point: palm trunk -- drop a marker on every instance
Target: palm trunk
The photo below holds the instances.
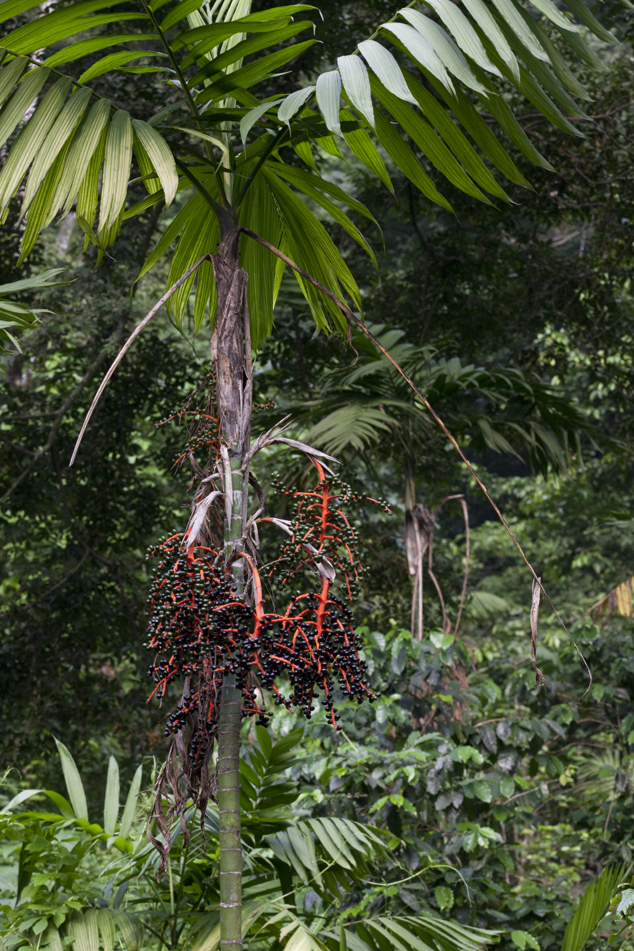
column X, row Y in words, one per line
column 229, row 808
column 231, row 358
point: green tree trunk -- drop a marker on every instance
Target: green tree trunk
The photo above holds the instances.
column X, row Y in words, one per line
column 231, row 358
column 229, row 807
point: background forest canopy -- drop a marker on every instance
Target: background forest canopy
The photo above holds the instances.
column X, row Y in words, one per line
column 497, row 801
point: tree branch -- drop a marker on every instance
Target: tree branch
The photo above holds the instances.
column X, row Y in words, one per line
column 135, row 333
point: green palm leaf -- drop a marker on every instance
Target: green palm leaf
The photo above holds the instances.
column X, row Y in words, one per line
column 17, row 316
column 592, row 908
column 371, row 103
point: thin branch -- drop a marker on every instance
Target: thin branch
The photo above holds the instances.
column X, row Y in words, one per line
column 358, row 323
column 135, row 333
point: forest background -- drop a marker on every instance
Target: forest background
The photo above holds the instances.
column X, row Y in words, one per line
column 526, row 791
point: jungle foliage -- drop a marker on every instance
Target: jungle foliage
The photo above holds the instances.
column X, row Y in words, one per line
column 465, row 793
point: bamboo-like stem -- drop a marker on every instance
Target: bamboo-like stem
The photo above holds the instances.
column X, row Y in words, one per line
column 233, row 391
column 229, row 809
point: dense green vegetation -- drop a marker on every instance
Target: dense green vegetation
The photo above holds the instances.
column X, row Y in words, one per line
column 494, row 801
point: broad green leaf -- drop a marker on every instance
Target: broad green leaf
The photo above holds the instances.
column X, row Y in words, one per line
column 40, row 208
column 111, row 801
column 131, row 930
column 113, row 61
column 464, row 33
column 61, row 24
column 510, row 15
column 301, row 179
column 406, row 161
column 328, row 93
column 207, row 38
column 554, row 14
column 107, row 930
column 304, row 151
column 427, row 140
column 248, row 121
column 421, row 50
column 308, row 243
column 85, row 47
column 52, row 940
column 386, row 68
column 480, row 133
column 9, row 76
column 582, row 12
column 201, row 236
column 181, row 10
column 482, row 790
column 13, row 8
column 293, row 103
column 504, row 116
column 356, row 84
column 289, row 10
column 25, row 793
column 116, row 168
column 130, row 804
column 444, row 897
column 559, row 65
column 22, row 98
column 73, row 781
column 583, row 51
column 337, row 838
column 261, row 215
column 160, row 156
column 484, row 18
column 252, row 73
column 169, row 235
column 65, row 125
column 84, row 929
column 88, row 194
column 250, row 774
column 450, row 132
column 591, row 908
column 62, row 803
column 86, row 140
column 30, row 141
column 362, row 146
column 328, row 144
column 535, row 94
column 247, row 48
column 539, row 71
column 445, row 48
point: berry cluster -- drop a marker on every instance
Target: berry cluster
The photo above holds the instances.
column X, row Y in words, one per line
column 313, row 642
column 200, row 630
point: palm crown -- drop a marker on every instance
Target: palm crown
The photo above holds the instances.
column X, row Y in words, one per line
column 251, row 162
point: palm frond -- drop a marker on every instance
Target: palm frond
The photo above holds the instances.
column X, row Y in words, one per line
column 16, row 316
column 425, row 932
column 230, row 148
column 592, row 908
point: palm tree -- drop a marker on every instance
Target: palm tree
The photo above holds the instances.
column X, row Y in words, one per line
column 248, row 167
